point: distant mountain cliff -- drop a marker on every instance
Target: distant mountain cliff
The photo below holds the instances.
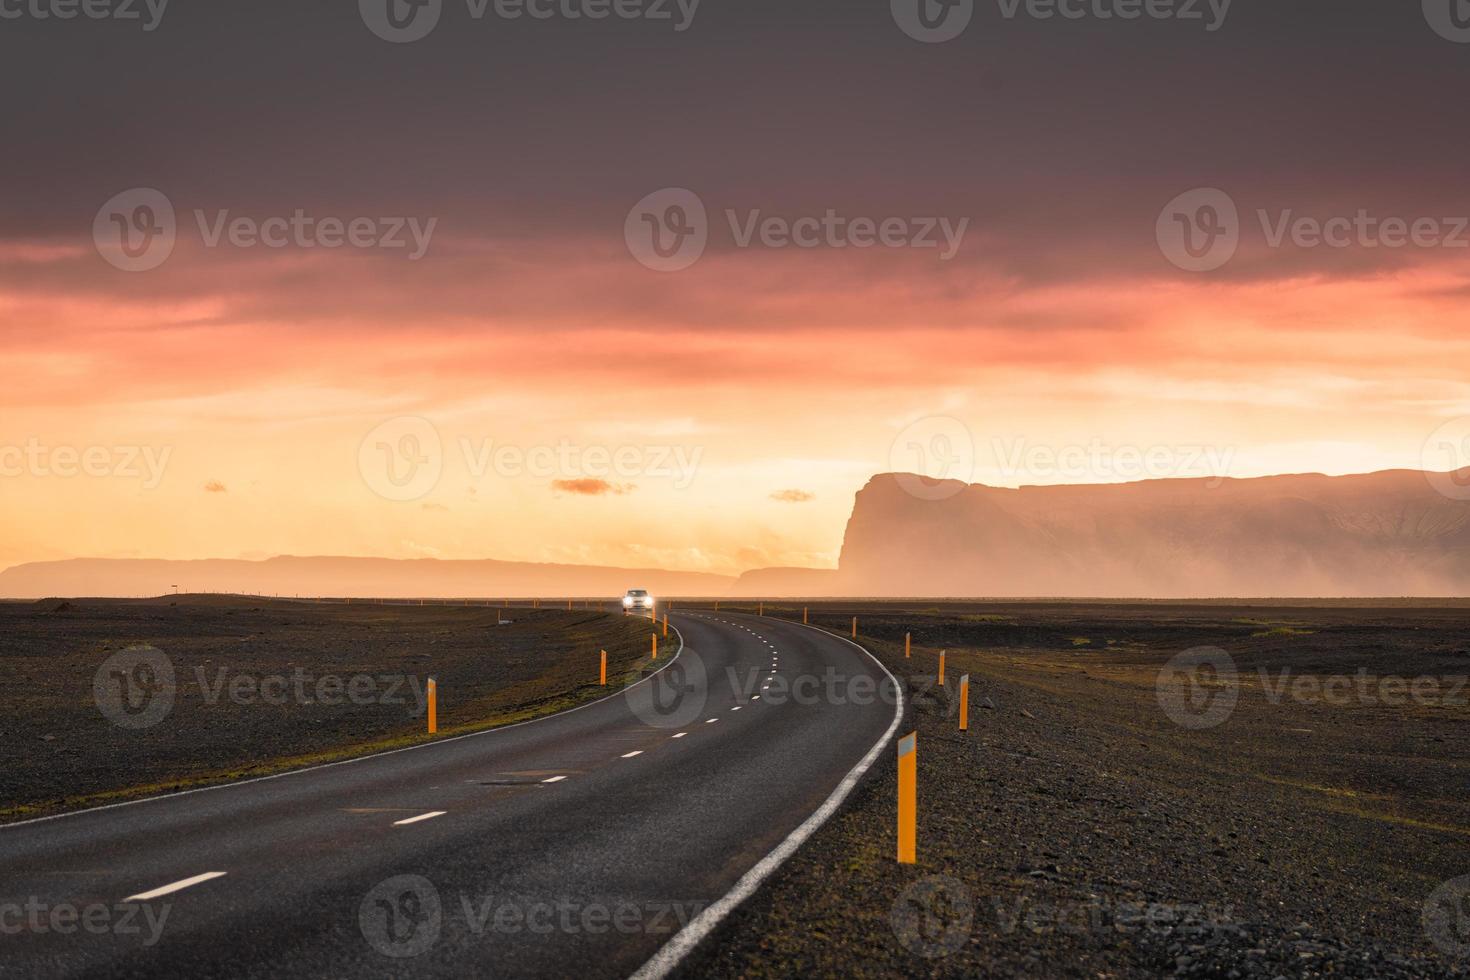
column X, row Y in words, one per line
column 383, row 577
column 1379, row 534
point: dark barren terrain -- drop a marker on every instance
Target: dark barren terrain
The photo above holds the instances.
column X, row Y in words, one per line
column 264, row 685
column 1076, row 830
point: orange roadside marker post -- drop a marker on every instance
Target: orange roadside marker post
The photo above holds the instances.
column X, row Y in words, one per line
column 717, row 605
column 760, row 608
column 803, row 614
column 854, row 627
column 906, row 638
column 569, row 605
column 433, row 706
column 908, row 793
column 603, row 681
column 965, row 702
column 941, row 668
column 666, row 624
column 655, row 646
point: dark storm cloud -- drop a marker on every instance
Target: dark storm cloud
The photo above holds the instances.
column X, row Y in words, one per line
column 1061, row 139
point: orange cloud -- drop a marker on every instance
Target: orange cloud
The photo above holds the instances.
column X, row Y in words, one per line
column 793, row 496
column 588, row 487
column 214, row 486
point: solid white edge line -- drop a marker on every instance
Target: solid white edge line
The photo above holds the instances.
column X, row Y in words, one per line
column 422, row 816
column 668, row 957
column 629, row 755
column 177, row 886
column 356, row 758
column 554, row 779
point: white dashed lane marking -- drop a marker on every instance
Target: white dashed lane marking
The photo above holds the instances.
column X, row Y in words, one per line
column 422, row 816
column 177, row 886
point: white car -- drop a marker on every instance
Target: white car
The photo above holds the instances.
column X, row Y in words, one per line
column 637, row 599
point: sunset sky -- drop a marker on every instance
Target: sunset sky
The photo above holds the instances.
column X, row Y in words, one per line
column 750, row 395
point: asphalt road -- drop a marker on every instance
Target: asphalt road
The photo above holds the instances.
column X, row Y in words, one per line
column 575, row 845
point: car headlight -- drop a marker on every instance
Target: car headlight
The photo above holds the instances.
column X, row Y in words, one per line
column 650, row 600
column 627, row 600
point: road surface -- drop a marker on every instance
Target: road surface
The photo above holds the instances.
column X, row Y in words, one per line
column 577, row 845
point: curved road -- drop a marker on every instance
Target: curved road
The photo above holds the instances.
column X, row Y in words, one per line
column 575, row 845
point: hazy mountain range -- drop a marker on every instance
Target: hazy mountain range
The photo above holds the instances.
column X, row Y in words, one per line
column 1394, row 533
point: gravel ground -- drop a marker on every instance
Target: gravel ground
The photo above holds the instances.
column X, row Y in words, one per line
column 1078, row 831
